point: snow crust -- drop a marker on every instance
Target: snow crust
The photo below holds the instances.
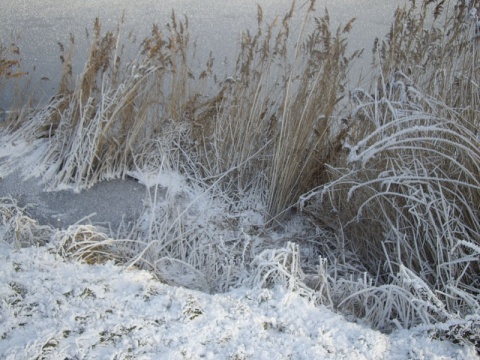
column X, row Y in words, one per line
column 55, row 309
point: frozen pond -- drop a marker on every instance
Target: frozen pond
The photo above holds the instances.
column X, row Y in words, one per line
column 216, row 24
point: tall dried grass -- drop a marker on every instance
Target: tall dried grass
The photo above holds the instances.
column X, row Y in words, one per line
column 98, row 124
column 405, row 196
column 10, row 72
column 282, row 97
column 271, row 118
column 279, row 110
column 10, row 66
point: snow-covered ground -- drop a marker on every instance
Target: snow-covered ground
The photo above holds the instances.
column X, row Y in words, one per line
column 57, row 309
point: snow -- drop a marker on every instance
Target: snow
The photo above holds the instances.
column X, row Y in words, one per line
column 171, row 180
column 56, row 309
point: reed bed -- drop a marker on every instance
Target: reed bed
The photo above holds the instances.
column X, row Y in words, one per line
column 383, row 180
column 404, row 196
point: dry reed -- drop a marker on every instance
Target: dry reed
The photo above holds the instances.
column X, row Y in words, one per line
column 10, row 73
column 405, row 196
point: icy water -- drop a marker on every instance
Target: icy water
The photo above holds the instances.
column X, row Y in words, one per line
column 38, row 27
column 216, row 24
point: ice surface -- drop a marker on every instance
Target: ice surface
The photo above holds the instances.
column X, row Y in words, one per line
column 108, row 202
column 216, row 25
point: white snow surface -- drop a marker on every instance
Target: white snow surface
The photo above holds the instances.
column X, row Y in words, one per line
column 57, row 309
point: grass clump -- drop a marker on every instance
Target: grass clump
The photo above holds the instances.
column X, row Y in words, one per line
column 405, row 196
column 283, row 98
column 18, row 229
column 98, row 124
